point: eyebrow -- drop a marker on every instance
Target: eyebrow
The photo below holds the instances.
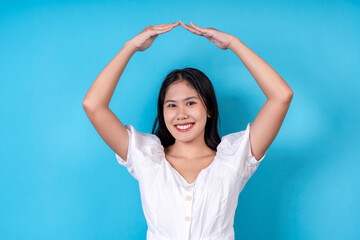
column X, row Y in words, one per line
column 183, row 100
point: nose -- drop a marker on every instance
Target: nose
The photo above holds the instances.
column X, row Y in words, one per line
column 181, row 113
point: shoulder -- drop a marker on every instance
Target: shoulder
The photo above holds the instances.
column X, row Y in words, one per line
column 142, row 139
column 232, row 142
column 236, row 148
column 144, row 152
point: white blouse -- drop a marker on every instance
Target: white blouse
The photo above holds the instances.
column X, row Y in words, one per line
column 202, row 210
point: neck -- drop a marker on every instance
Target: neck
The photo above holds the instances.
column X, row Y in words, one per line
column 189, row 150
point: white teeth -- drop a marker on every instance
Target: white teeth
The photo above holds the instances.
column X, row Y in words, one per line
column 184, row 126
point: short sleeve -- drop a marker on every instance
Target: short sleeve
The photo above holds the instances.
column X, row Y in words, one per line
column 236, row 151
column 144, row 152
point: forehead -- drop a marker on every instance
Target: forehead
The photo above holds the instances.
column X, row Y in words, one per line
column 180, row 90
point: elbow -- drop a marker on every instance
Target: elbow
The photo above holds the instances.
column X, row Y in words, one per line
column 91, row 107
column 87, row 106
column 288, row 96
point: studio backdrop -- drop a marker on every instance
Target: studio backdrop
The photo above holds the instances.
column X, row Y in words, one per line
column 59, row 179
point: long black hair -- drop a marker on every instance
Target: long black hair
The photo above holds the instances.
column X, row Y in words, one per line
column 202, row 84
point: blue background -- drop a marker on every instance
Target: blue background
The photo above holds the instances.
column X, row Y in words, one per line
column 58, row 178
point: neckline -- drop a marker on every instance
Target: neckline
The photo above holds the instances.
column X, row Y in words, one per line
column 197, row 177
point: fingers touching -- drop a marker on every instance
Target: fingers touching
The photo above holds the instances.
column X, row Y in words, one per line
column 194, row 29
column 162, row 28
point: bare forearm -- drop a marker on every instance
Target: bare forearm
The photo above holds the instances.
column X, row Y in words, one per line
column 270, row 82
column 102, row 89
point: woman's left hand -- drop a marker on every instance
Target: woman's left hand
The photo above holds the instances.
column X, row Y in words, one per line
column 221, row 39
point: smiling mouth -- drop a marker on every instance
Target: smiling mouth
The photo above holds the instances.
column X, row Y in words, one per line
column 184, row 128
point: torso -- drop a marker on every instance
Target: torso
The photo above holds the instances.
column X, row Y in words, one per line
column 190, row 169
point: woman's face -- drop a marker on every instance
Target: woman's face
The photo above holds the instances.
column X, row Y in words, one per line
column 184, row 112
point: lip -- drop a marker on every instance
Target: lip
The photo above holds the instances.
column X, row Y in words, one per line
column 185, row 130
column 185, row 123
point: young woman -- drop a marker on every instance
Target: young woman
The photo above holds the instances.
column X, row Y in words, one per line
column 189, row 178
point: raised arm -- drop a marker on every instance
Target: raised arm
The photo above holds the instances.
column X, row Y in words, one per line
column 102, row 89
column 97, row 99
column 268, row 121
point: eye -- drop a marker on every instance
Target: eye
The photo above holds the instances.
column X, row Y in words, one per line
column 170, row 105
column 192, row 103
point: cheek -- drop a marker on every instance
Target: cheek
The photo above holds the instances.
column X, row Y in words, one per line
column 168, row 115
column 201, row 113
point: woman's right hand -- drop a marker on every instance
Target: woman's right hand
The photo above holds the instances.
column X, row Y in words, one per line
column 147, row 36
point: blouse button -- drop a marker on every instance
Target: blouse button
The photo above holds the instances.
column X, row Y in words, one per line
column 187, row 218
column 188, row 197
column 190, row 186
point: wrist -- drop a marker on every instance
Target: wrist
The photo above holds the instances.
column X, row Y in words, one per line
column 234, row 41
column 131, row 46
